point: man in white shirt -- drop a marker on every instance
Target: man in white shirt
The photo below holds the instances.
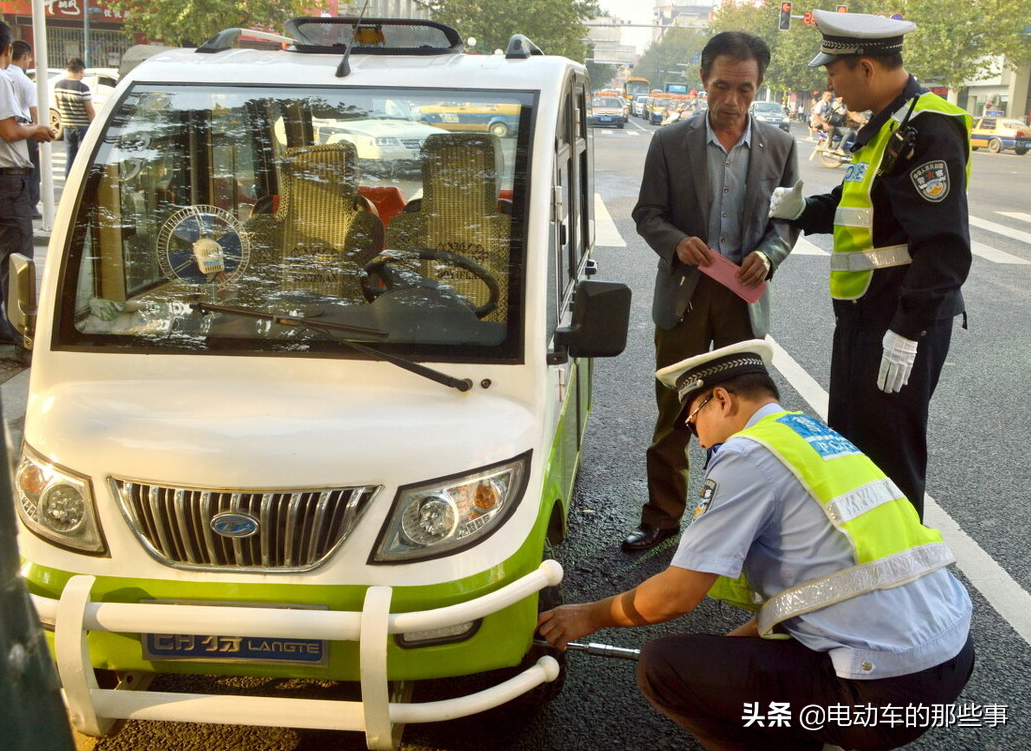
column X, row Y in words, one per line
column 15, row 172
column 25, row 89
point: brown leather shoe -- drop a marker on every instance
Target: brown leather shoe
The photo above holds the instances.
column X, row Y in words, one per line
column 646, row 536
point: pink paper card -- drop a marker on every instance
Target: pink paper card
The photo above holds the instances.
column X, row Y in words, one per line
column 724, row 271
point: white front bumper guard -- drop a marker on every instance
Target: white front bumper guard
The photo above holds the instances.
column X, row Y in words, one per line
column 94, row 710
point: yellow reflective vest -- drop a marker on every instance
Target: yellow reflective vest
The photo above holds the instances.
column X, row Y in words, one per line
column 855, row 257
column 890, row 546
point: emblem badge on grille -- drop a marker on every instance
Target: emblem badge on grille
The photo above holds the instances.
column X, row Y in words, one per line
column 234, row 524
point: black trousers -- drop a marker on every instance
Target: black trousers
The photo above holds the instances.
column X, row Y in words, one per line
column 716, row 318
column 712, row 685
column 889, row 428
column 15, row 237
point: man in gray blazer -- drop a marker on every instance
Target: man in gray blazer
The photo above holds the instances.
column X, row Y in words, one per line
column 706, row 189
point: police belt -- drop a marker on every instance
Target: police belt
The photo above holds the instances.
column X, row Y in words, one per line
column 883, row 573
column 23, row 171
column 869, row 260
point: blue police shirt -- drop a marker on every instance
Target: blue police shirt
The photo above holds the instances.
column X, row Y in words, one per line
column 759, row 519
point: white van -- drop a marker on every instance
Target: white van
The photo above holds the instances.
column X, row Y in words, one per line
column 310, row 377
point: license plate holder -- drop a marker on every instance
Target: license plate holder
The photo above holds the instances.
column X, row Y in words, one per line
column 235, row 649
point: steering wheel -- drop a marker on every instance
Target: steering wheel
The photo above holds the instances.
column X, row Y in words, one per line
column 376, row 266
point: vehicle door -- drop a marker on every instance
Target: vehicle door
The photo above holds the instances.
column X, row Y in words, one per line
column 571, row 240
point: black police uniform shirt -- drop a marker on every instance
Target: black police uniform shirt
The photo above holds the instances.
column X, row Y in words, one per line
column 910, row 298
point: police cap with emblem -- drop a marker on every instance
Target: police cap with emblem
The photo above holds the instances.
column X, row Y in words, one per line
column 696, row 374
column 847, row 34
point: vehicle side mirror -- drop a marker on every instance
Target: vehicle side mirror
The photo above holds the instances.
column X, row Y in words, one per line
column 601, row 318
column 21, row 296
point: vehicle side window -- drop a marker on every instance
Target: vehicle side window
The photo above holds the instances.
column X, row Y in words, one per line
column 988, row 123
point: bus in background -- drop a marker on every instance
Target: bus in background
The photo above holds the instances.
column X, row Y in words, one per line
column 635, row 87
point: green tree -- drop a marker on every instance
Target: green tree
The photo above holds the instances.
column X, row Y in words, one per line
column 957, row 42
column 954, row 41
column 189, row 22
column 675, row 59
column 790, row 50
column 556, row 26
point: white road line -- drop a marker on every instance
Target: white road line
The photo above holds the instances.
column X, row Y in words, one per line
column 996, row 256
column 605, row 232
column 1001, row 229
column 1003, row 593
column 804, row 247
column 1016, row 215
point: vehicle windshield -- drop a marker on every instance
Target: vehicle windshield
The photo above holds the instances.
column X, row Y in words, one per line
column 358, row 207
column 634, row 88
column 607, row 102
column 659, row 101
column 768, row 108
column 1014, row 125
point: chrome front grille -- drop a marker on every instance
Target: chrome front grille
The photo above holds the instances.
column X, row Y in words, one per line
column 296, row 530
column 412, row 143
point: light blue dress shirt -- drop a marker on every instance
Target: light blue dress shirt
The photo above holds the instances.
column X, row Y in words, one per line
column 728, row 172
column 761, row 520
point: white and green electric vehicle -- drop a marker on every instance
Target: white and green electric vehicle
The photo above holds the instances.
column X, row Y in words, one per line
column 310, row 376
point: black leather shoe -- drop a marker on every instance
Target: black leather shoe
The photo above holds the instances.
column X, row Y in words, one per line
column 646, row 536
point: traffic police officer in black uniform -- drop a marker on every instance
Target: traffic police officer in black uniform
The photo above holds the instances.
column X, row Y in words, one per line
column 901, row 244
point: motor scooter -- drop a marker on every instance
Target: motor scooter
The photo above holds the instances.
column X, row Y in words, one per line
column 831, row 151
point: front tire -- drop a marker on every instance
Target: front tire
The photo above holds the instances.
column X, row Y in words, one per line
column 828, row 159
column 498, row 129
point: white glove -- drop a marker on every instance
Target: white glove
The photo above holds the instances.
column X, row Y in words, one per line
column 787, row 203
column 896, row 362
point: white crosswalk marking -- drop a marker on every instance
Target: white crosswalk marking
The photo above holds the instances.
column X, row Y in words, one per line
column 1015, row 215
column 804, row 247
column 605, row 232
column 1001, row 229
column 996, row 256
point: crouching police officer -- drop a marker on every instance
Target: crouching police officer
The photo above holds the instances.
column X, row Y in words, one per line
column 901, row 244
column 855, row 605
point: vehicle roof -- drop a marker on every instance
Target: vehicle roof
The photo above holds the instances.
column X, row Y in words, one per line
column 290, row 68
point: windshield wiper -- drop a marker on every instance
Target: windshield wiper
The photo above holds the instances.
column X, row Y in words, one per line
column 327, row 328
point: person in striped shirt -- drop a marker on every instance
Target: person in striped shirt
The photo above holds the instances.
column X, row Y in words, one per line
column 74, row 102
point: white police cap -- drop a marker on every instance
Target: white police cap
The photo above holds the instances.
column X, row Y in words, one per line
column 695, row 374
column 857, row 34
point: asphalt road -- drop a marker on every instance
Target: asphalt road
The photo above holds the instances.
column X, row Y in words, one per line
column 978, row 476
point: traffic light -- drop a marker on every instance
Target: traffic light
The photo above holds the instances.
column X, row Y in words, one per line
column 784, row 23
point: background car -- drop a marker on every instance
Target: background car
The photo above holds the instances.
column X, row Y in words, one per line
column 657, row 109
column 607, row 111
column 626, row 109
column 998, row 133
column 101, row 82
column 772, row 113
column 497, row 119
column 640, row 106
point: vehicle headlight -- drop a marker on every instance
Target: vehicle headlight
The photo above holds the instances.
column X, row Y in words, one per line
column 387, row 141
column 450, row 514
column 57, row 504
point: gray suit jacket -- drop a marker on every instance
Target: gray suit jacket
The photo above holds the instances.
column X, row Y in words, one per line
column 674, row 203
